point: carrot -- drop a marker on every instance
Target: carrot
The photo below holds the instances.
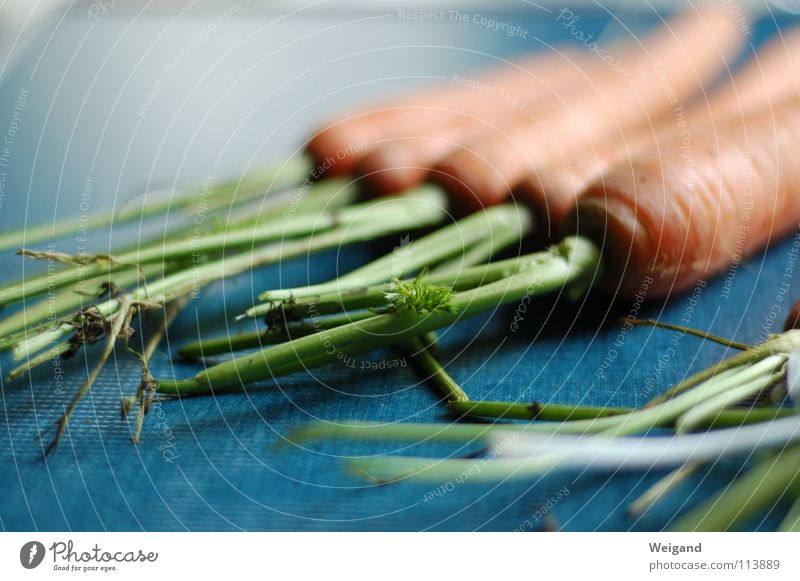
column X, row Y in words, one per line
column 551, row 193
column 404, row 160
column 769, row 78
column 667, row 69
column 668, row 219
column 340, row 145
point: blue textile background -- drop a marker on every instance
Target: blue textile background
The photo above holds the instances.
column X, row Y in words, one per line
column 223, row 463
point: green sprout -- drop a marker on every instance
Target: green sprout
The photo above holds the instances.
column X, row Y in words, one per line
column 419, row 296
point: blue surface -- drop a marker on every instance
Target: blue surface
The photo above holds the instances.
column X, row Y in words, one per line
column 215, row 463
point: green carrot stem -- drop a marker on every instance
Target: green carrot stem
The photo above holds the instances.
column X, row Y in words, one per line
column 275, row 177
column 253, row 340
column 418, row 348
column 661, row 488
column 559, row 414
column 321, row 199
column 755, row 491
column 670, row 410
column 311, row 198
column 373, row 431
column 783, row 343
column 236, row 236
column 9, row 341
column 145, row 389
column 195, row 248
column 198, row 247
column 483, row 250
column 418, row 209
column 40, row 359
column 574, row 260
column 255, row 185
column 27, row 289
column 688, row 331
column 435, row 373
column 444, row 243
column 741, row 416
column 34, row 343
column 554, row 412
column 493, row 469
column 663, row 415
column 532, row 411
column 703, row 411
column 67, row 300
column 374, row 296
column 230, row 239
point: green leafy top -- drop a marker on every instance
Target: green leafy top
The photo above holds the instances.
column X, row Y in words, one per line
column 419, row 296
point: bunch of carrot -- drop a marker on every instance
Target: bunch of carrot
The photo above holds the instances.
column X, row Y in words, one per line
column 642, row 172
column 654, row 215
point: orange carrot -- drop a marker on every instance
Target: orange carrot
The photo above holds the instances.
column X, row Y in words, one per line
column 767, row 79
column 667, row 220
column 667, row 69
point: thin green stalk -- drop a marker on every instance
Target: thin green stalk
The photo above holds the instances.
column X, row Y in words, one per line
column 374, row 296
column 411, row 211
column 250, row 234
column 10, row 341
column 532, row 411
column 670, row 410
column 34, row 343
column 703, row 411
column 254, row 340
column 32, row 287
column 312, row 198
column 661, row 488
column 757, row 490
column 197, row 247
column 422, row 350
column 612, row 425
column 483, row 250
column 537, row 411
column 146, row 390
column 434, row 372
column 274, row 177
column 40, row 359
column 318, row 198
column 574, row 261
column 229, row 239
column 67, row 300
column 664, row 414
column 742, row 416
column 557, row 414
column 536, row 454
column 756, row 353
column 688, row 331
column 444, row 243
column 371, row 431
